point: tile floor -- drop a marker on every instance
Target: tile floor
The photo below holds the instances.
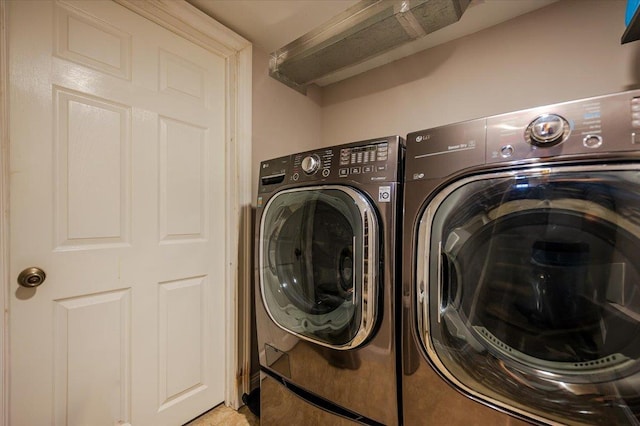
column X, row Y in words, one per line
column 225, row 416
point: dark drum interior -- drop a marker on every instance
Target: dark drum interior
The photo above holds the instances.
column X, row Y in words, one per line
column 315, row 250
column 312, row 280
column 545, row 294
column 536, row 278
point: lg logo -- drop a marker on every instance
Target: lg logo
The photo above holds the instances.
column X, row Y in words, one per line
column 421, row 138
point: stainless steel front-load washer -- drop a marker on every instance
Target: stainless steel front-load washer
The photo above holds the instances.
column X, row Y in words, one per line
column 521, row 293
column 326, row 284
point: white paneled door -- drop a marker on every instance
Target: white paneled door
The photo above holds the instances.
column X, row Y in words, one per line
column 117, row 174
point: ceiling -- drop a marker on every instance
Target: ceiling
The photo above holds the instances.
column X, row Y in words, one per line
column 272, row 24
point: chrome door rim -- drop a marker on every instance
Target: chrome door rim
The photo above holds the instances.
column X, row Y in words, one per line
column 368, row 298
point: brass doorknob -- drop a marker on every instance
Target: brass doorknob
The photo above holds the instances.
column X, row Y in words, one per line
column 31, row 277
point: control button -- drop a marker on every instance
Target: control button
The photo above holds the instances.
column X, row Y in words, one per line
column 506, row 151
column 382, row 168
column 325, row 172
column 367, row 169
column 355, row 170
column 635, row 115
column 343, row 172
column 635, row 106
column 295, row 176
column 310, row 164
column 636, row 124
column 547, row 130
column 592, row 141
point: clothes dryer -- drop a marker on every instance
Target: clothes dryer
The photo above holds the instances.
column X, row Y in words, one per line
column 326, row 278
column 522, row 267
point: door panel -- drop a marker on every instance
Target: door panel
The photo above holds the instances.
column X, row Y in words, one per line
column 92, row 347
column 92, row 169
column 117, row 161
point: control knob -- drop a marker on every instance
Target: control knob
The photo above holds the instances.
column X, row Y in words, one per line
column 310, row 164
column 547, row 130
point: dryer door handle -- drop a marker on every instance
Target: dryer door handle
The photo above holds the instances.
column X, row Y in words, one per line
column 447, row 280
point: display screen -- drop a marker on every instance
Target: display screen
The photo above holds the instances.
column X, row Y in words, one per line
column 364, row 154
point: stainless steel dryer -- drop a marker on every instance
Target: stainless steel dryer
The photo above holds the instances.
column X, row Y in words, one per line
column 521, row 280
column 326, row 284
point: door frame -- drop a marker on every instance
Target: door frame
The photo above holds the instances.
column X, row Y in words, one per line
column 4, row 216
column 185, row 20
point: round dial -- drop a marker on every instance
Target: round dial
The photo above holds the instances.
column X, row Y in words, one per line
column 547, row 130
column 310, row 164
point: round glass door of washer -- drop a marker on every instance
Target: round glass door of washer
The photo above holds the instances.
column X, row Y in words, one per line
column 318, row 259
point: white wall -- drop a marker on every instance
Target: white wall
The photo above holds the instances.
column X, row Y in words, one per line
column 284, row 121
column 568, row 50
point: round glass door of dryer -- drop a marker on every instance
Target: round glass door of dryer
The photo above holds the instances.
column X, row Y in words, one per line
column 318, row 259
column 534, row 291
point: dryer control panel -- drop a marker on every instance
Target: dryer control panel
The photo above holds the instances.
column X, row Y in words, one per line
column 375, row 160
column 598, row 125
column 591, row 127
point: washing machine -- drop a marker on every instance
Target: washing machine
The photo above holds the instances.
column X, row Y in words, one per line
column 521, row 292
column 327, row 284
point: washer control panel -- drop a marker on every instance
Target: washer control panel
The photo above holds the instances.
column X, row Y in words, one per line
column 310, row 165
column 367, row 161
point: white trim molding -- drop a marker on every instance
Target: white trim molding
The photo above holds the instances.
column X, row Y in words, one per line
column 245, row 247
column 4, row 213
